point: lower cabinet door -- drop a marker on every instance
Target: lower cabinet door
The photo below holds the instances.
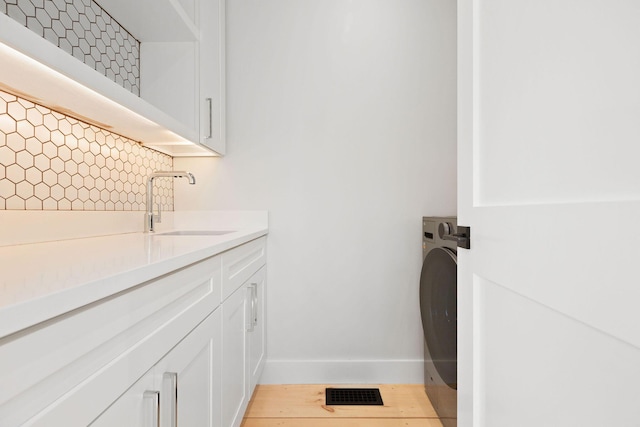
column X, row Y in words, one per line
column 234, row 358
column 188, row 378
column 181, row 390
column 256, row 334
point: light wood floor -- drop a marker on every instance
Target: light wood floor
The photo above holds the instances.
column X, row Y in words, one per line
column 304, row 406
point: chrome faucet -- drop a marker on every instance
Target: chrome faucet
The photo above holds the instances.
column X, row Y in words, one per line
column 149, row 215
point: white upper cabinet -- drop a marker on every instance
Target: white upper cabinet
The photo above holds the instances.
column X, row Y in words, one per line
column 180, row 110
column 212, row 74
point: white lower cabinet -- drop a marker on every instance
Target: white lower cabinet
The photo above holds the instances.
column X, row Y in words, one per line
column 182, row 389
column 256, row 331
column 243, row 344
column 177, row 351
column 234, row 358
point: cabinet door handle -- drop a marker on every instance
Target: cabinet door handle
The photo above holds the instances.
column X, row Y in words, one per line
column 254, row 305
column 251, row 315
column 210, row 105
column 170, row 381
column 151, row 399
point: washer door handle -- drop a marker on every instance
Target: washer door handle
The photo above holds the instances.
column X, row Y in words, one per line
column 462, row 237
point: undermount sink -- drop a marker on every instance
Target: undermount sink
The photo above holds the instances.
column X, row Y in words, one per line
column 195, row 233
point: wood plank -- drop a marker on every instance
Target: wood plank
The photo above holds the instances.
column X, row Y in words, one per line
column 308, row 401
column 341, row 422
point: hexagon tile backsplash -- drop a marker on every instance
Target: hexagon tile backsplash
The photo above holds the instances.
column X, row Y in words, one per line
column 51, row 161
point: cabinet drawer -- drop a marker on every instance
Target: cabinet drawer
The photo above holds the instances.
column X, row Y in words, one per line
column 69, row 369
column 240, row 263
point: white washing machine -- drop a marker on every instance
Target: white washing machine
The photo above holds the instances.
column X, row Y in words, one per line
column 438, row 307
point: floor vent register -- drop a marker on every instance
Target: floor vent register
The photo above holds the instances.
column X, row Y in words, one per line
column 353, row 396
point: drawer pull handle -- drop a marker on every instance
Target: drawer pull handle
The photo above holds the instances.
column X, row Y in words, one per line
column 151, row 399
column 170, row 380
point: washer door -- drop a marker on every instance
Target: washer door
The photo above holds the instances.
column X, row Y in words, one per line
column 439, row 309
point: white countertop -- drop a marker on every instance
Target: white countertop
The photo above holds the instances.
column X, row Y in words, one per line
column 42, row 280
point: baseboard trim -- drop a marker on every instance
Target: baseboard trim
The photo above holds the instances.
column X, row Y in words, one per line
column 343, row 372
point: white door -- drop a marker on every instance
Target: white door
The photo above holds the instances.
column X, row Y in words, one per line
column 549, row 142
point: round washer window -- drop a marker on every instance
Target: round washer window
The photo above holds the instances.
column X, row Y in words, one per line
column 439, row 308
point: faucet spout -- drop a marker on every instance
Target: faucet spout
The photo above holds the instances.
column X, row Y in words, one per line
column 149, row 215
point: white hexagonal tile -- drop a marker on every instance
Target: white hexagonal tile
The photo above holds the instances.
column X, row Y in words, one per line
column 42, row 191
column 50, row 122
column 105, row 173
column 110, row 185
column 64, row 126
column 83, row 145
column 94, row 171
column 77, row 181
column 49, row 204
column 7, row 155
column 64, row 179
column 71, row 193
column 16, row 110
column 57, row 138
column 64, row 153
column 49, row 177
column 24, row 159
column 33, row 175
column 15, row 173
column 16, row 142
column 42, row 133
column 34, row 146
column 57, row 192
column 105, row 195
column 110, row 163
column 7, row 188
column 33, row 204
column 7, row 124
column 71, row 167
column 64, row 205
column 94, row 148
column 15, row 203
column 94, row 194
column 89, row 181
column 77, row 131
column 89, row 158
column 24, row 190
column 77, row 156
column 89, row 205
column 100, row 161
column 83, row 169
column 42, row 162
column 71, row 141
column 100, row 184
column 57, row 165
column 83, row 194
column 34, row 116
column 25, row 129
column 49, row 149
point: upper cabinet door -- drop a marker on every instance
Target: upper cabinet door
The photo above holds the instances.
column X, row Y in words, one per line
column 212, row 74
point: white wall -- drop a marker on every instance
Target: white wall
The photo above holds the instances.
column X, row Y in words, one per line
column 341, row 123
